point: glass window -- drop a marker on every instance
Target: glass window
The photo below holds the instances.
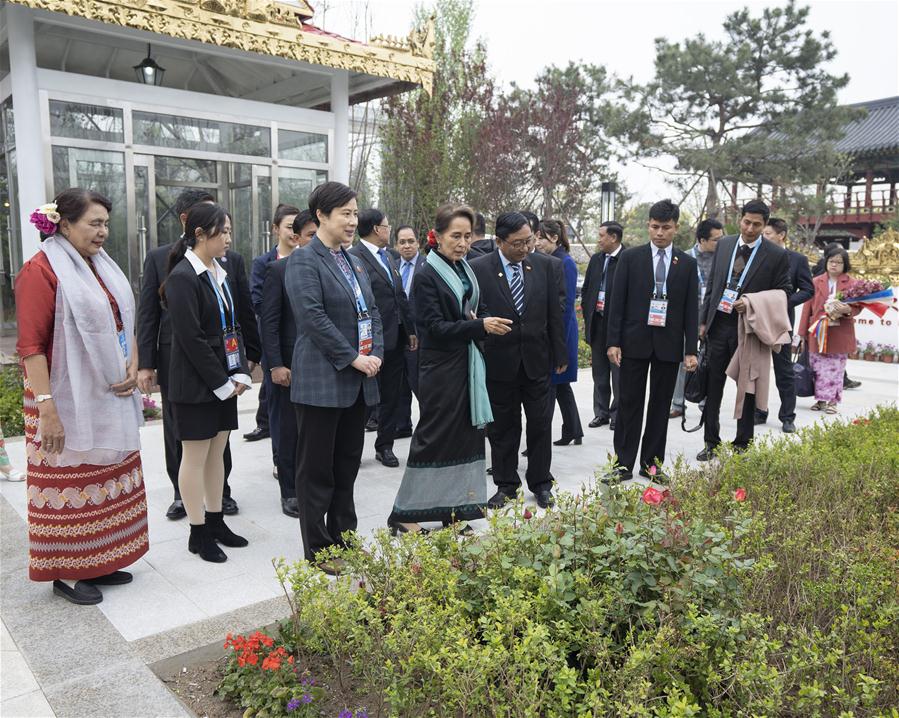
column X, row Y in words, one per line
column 86, row 122
column 302, row 146
column 190, row 133
column 295, row 185
column 179, row 169
column 103, row 172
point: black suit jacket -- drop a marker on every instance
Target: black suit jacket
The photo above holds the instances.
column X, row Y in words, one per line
column 770, row 270
column 595, row 324
column 628, row 310
column 393, row 305
column 197, row 364
column 801, row 280
column 154, row 331
column 439, row 321
column 420, row 261
column 538, row 335
column 276, row 321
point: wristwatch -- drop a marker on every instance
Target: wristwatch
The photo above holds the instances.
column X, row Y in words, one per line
column 42, row 397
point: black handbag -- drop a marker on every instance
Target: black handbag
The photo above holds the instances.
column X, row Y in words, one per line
column 696, row 387
column 803, row 374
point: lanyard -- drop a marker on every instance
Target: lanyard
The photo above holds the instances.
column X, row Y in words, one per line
column 218, row 296
column 730, row 269
column 361, row 306
column 605, row 269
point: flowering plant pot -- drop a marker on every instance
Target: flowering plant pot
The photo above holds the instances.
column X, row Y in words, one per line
column 868, row 356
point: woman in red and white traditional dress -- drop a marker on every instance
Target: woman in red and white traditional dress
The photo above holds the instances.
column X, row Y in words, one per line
column 87, row 509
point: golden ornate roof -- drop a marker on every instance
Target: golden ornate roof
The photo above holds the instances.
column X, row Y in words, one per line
column 878, row 258
column 262, row 26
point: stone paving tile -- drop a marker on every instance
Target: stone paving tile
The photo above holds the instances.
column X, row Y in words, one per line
column 16, row 678
column 30, row 705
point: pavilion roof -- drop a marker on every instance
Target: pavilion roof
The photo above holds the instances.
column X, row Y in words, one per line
column 266, row 27
column 877, row 132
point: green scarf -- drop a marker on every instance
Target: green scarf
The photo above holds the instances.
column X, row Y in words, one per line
column 479, row 401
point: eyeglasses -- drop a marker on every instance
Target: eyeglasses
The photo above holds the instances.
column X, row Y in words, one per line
column 383, row 226
column 521, row 243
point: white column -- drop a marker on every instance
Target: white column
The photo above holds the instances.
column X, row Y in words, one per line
column 340, row 106
column 30, row 148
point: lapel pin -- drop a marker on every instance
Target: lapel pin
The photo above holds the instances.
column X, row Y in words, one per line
column 527, row 267
column 500, row 275
column 674, row 259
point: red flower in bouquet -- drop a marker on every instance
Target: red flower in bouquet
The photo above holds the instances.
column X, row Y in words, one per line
column 432, row 238
column 652, row 496
column 740, row 494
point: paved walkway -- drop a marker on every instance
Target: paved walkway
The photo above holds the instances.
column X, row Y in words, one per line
column 56, row 656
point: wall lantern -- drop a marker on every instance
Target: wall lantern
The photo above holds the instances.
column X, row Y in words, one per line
column 607, row 202
column 149, row 72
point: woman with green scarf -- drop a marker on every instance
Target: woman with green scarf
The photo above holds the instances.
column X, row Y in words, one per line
column 445, row 477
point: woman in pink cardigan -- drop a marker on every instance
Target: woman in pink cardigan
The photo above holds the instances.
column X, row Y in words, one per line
column 829, row 365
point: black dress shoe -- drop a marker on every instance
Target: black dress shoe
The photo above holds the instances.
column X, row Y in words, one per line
column 403, row 434
column 707, row 454
column 176, row 510
column 739, row 448
column 760, row 419
column 257, row 434
column 545, row 499
column 598, row 421
column 388, row 458
column 290, row 507
column 622, row 473
column 789, row 427
column 371, row 425
column 850, row 383
column 81, row 593
column 202, row 542
column 229, row 506
column 490, row 471
column 116, row 578
column 499, row 499
column 612, row 425
column 565, row 442
column 398, row 528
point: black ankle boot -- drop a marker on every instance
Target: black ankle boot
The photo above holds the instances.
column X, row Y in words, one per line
column 202, row 542
column 221, row 533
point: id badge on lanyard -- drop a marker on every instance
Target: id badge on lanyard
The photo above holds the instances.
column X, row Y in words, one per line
column 600, row 301
column 232, row 350
column 230, row 336
column 123, row 343
column 726, row 304
column 732, row 293
column 366, row 339
column 658, row 312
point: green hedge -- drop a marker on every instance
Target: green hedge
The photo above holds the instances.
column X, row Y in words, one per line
column 11, row 388
column 762, row 586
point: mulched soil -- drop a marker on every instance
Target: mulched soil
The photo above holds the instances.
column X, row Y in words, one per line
column 195, row 685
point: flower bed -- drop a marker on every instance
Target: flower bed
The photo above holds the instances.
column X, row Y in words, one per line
column 765, row 586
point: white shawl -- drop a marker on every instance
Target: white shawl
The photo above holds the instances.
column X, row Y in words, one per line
column 100, row 427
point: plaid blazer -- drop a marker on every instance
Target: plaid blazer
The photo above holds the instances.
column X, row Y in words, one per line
column 324, row 307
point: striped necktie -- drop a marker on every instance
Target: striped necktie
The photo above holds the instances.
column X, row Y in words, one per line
column 382, row 253
column 517, row 287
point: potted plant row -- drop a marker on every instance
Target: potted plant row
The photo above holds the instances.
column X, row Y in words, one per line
column 870, row 351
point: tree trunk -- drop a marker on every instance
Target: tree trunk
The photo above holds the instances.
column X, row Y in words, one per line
column 711, row 198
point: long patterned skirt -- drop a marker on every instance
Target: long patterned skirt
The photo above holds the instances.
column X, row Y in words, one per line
column 828, row 370
column 83, row 521
column 445, row 475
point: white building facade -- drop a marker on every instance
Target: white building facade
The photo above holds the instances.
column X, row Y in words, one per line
column 253, row 106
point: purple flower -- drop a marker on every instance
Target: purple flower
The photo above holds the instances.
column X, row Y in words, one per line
column 361, row 713
column 292, row 705
column 345, row 713
column 306, row 698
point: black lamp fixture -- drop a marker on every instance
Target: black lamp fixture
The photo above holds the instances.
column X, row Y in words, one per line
column 607, row 201
column 149, row 72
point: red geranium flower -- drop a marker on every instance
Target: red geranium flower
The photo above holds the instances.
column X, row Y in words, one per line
column 619, row 529
column 652, row 496
column 432, row 238
column 740, row 494
column 527, row 514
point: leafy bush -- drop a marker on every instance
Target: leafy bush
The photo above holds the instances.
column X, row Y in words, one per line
column 763, row 585
column 11, row 389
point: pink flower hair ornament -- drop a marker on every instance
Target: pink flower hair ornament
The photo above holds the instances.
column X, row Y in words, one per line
column 45, row 218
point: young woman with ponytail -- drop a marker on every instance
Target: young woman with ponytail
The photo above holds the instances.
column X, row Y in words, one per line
column 208, row 371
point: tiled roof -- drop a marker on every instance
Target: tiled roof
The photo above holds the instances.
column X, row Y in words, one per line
column 875, row 133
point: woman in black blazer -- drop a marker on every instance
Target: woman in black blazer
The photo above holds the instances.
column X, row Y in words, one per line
column 207, row 372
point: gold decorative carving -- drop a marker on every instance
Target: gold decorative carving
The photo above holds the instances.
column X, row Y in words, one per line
column 260, row 26
column 878, row 258
column 419, row 42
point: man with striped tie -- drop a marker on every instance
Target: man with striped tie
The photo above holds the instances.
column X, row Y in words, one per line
column 519, row 363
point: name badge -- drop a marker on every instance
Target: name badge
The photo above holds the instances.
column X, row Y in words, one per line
column 366, row 340
column 123, row 343
column 232, row 350
column 600, row 302
column 726, row 304
column 658, row 311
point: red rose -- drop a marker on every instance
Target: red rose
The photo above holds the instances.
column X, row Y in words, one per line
column 740, row 494
column 619, row 529
column 652, row 496
column 527, row 514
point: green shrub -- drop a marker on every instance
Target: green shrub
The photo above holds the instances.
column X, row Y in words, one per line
column 764, row 585
column 11, row 389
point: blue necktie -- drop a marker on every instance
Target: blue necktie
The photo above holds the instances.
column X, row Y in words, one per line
column 660, row 274
column 382, row 253
column 517, row 287
column 406, row 276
